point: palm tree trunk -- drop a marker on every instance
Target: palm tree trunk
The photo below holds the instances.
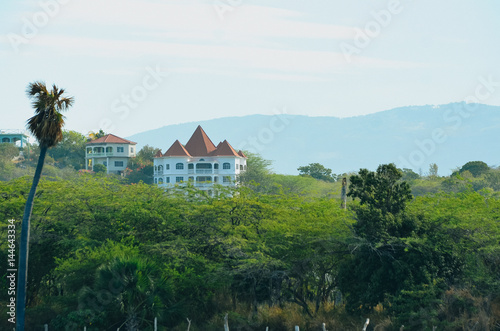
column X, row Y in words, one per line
column 24, row 246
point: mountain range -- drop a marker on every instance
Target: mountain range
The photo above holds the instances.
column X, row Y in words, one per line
column 411, row 137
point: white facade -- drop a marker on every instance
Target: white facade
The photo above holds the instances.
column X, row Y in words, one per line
column 202, row 172
column 113, row 152
column 180, row 165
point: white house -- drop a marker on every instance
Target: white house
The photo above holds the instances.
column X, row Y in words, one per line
column 199, row 162
column 110, row 150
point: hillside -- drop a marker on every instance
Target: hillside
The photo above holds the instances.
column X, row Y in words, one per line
column 412, row 137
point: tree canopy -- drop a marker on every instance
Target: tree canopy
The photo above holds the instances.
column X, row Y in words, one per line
column 476, row 168
column 318, row 171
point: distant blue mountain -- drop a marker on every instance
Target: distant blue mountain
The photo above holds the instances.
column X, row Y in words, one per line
column 412, row 137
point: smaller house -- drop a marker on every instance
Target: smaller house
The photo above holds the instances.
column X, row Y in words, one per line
column 112, row 151
column 13, row 137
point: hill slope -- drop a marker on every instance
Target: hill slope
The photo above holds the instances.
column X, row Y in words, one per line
column 412, row 137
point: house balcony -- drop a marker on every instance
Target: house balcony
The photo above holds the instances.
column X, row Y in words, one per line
column 203, row 171
column 203, row 184
column 91, row 155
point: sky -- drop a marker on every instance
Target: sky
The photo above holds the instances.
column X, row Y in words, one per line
column 137, row 65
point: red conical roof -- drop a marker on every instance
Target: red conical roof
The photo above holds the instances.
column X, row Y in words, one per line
column 224, row 149
column 176, row 150
column 158, row 154
column 199, row 144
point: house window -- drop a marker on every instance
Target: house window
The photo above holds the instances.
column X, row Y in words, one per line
column 191, row 179
column 179, row 179
column 156, row 180
column 167, row 166
column 179, row 166
column 118, row 164
column 160, row 180
column 89, row 150
column 160, row 168
column 216, row 179
column 167, row 180
column 190, row 166
column 226, row 179
column 109, row 149
column 105, row 163
column 119, row 149
column 216, row 166
column 226, row 165
column 241, row 167
column 131, row 149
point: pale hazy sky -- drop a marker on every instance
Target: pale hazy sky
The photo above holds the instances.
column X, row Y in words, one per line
column 136, row 65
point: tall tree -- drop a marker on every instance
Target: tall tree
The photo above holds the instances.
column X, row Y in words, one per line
column 70, row 151
column 46, row 126
column 318, row 171
column 476, row 168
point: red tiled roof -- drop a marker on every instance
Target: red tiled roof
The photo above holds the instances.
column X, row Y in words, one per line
column 176, row 150
column 111, row 139
column 158, row 154
column 224, row 149
column 199, row 144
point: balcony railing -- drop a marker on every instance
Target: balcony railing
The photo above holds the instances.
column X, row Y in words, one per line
column 203, row 171
column 204, row 184
column 99, row 154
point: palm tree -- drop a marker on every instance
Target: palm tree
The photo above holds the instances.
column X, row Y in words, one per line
column 46, row 126
column 129, row 292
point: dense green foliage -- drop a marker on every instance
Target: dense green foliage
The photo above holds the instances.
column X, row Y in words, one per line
column 278, row 252
column 106, row 254
column 317, row 171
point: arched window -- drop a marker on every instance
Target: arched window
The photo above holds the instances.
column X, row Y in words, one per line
column 226, row 165
column 190, row 166
column 160, row 168
column 179, row 166
column 216, row 166
column 160, row 180
column 109, row 149
column 6, row 140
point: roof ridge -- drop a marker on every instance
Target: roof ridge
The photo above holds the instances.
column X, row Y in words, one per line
column 108, row 139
